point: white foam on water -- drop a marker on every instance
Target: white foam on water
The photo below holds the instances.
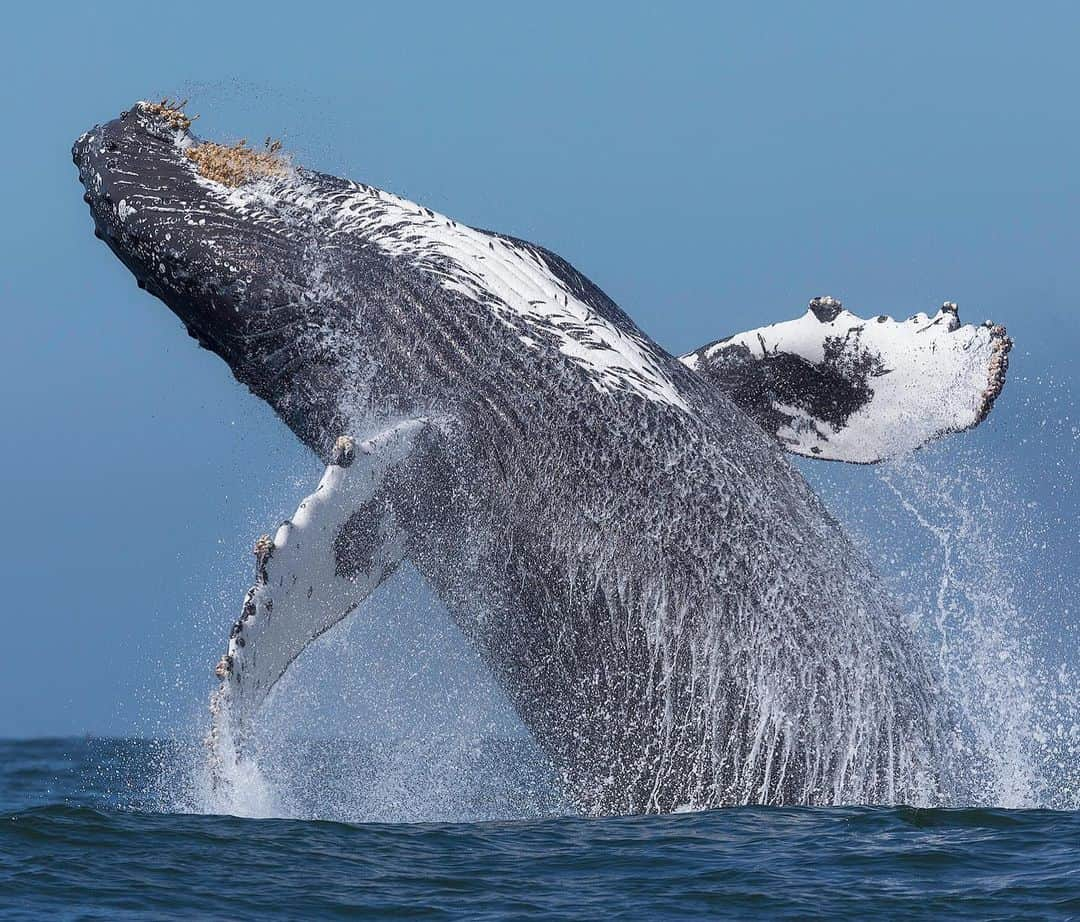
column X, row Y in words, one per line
column 238, row 788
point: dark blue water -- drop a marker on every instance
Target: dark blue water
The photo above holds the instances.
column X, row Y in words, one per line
column 79, row 839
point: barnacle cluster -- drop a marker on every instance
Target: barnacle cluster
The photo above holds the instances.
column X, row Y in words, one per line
column 233, row 165
column 998, row 366
column 170, row 112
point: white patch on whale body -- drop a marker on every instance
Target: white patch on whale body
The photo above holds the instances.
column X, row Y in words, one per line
column 518, row 285
column 512, row 280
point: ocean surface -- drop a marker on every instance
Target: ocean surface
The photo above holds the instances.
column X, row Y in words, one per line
column 84, row 834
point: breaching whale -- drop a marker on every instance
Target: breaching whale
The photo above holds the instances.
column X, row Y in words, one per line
column 670, row 609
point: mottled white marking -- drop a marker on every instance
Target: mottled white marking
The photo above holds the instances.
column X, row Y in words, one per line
column 511, row 280
column 935, row 376
column 517, row 284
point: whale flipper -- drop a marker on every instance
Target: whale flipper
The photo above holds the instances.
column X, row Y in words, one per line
column 339, row 546
column 833, row 386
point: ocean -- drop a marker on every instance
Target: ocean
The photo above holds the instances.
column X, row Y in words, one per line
column 90, row 830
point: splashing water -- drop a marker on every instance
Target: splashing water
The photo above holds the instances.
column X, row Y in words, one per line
column 1018, row 707
column 948, row 561
column 942, row 527
column 389, row 717
column 982, row 569
column 973, row 624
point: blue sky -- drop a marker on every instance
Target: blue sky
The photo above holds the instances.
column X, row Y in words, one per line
column 712, row 167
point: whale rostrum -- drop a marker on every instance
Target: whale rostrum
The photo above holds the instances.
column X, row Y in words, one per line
column 617, row 531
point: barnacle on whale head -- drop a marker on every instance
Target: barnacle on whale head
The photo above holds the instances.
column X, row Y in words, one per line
column 236, row 164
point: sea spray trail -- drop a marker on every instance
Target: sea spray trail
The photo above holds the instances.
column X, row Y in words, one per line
column 1022, row 707
column 978, row 632
column 949, row 529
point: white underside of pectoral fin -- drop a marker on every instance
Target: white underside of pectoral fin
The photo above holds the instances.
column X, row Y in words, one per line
column 338, row 547
column 834, row 386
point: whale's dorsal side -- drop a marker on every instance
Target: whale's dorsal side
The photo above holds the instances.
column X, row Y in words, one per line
column 833, row 386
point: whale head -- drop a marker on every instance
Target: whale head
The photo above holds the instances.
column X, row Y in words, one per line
column 198, row 226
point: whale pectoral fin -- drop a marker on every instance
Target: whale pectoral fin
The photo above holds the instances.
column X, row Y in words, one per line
column 831, row 385
column 339, row 546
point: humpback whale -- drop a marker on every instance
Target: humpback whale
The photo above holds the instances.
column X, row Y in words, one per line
column 617, row 530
